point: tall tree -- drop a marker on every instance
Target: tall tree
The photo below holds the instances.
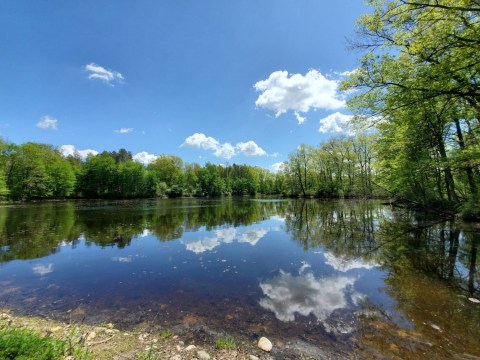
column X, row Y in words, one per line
column 419, row 78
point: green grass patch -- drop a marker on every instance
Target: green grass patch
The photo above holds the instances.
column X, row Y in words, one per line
column 22, row 344
column 166, row 334
column 225, row 343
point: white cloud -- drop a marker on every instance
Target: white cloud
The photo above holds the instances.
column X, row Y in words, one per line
column 249, row 148
column 122, row 259
column 347, row 72
column 124, row 130
column 344, row 265
column 277, row 167
column 47, row 122
column 144, row 157
column 97, row 72
column 287, row 294
column 201, row 141
column 42, row 270
column 336, row 123
column 297, row 92
column 225, row 150
column 300, row 119
column 67, row 150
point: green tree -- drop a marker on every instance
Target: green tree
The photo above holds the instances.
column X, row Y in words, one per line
column 419, row 78
column 168, row 169
column 98, row 176
column 38, row 171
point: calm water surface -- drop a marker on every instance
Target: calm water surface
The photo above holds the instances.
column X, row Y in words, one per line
column 357, row 278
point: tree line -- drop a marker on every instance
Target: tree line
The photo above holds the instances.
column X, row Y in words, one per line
column 340, row 167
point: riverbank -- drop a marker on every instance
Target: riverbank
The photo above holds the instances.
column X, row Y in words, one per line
column 146, row 342
column 106, row 342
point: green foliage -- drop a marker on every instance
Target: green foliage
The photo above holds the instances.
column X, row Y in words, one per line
column 25, row 344
column 38, row 171
column 470, row 210
column 339, row 167
column 225, row 343
column 418, row 83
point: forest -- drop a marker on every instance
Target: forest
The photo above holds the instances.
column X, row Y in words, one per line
column 415, row 100
column 342, row 167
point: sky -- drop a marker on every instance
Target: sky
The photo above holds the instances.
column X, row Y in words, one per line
column 243, row 81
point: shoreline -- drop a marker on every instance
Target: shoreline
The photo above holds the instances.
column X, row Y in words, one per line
column 105, row 341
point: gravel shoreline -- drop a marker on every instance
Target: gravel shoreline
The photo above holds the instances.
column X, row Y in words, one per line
column 105, row 341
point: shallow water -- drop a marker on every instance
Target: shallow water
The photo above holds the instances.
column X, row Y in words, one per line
column 355, row 277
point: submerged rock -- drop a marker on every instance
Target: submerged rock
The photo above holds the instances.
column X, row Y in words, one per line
column 203, row 355
column 265, row 344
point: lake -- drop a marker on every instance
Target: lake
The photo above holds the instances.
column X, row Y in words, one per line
column 352, row 278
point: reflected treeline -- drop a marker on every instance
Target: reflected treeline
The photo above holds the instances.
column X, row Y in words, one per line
column 431, row 267
column 394, row 238
column 37, row 230
column 344, row 228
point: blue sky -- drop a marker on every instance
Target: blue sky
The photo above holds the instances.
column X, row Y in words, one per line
column 214, row 80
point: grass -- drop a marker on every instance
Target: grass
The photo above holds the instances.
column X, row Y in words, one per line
column 22, row 344
column 25, row 344
column 148, row 355
column 166, row 334
column 225, row 343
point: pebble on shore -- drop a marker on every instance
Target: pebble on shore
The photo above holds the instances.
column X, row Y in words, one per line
column 265, row 344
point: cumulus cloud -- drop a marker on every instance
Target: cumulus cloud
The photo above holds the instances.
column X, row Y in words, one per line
column 201, row 141
column 124, row 130
column 282, row 92
column 344, row 265
column 144, row 157
column 47, row 122
column 97, row 72
column 42, row 270
column 68, row 150
column 336, row 123
column 225, row 236
column 277, row 167
column 225, row 150
column 287, row 294
column 249, row 148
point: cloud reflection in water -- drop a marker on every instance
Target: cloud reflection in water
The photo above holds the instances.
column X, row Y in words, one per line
column 225, row 236
column 344, row 265
column 42, row 270
column 287, row 294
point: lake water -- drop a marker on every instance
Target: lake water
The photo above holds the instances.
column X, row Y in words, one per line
column 354, row 278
